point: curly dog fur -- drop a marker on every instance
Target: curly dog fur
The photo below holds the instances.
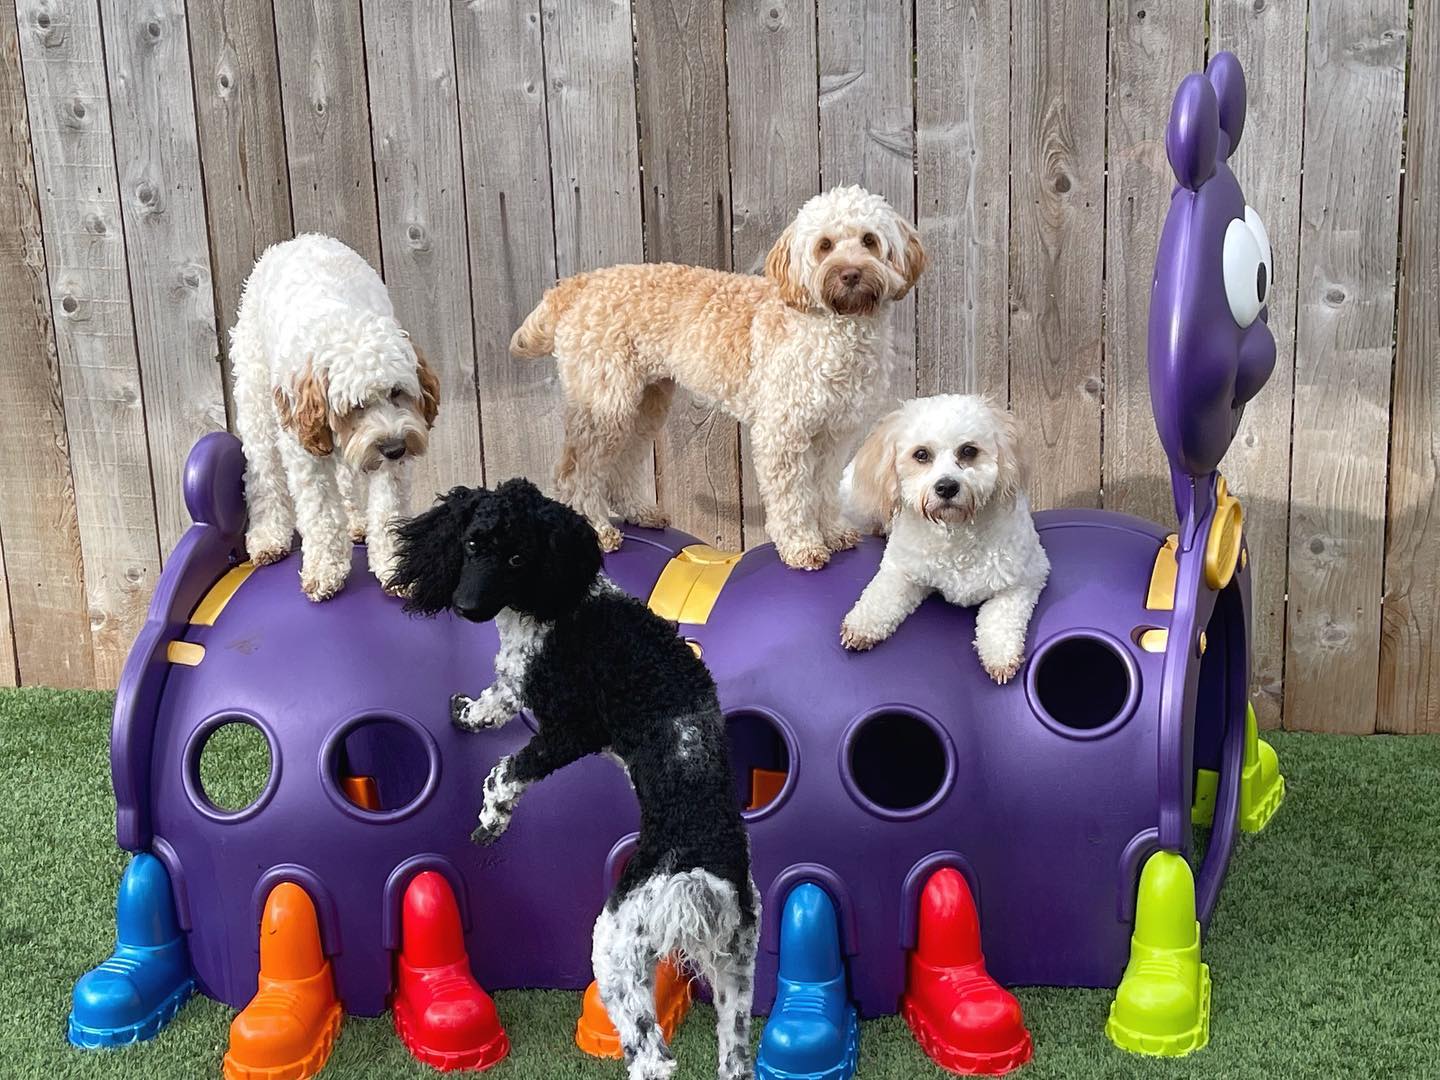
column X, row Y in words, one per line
column 332, row 400
column 601, row 673
column 801, row 355
column 944, row 476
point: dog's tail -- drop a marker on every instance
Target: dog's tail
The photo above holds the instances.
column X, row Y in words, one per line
column 692, row 912
column 536, row 336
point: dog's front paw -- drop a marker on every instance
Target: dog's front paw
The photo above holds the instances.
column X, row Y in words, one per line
column 484, row 713
column 486, row 834
column 1002, row 671
column 805, row 556
column 858, row 639
column 321, row 585
column 841, row 539
column 357, row 534
column 610, row 537
column 268, row 555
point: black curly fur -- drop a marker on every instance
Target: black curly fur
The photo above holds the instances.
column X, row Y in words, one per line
column 609, row 675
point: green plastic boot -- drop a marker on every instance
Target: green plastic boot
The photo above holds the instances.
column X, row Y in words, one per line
column 1162, row 1006
column 1262, row 788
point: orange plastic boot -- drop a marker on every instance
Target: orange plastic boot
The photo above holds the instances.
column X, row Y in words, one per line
column 596, row 1035
column 289, row 1027
column 442, row 1015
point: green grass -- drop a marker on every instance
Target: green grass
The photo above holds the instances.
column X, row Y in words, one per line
column 1325, row 952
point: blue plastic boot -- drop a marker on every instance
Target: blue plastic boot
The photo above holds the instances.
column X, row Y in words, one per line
column 813, row 1032
column 136, row 992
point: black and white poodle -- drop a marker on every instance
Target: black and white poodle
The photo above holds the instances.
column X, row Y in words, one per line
column 601, row 673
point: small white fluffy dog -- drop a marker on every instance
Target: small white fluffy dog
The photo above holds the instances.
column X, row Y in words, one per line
column 801, row 355
column 944, row 476
column 332, row 399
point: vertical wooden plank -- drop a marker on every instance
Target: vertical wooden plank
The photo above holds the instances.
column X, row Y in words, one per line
column 242, row 144
column 60, row 45
column 1152, row 47
column 594, row 147
column 1409, row 672
column 962, row 132
column 1355, row 96
column 594, row 156
column 686, row 158
column 774, row 147
column 1057, row 94
column 157, row 156
column 45, row 598
column 500, row 65
column 327, row 121
column 867, row 124
column 414, row 116
column 1269, row 39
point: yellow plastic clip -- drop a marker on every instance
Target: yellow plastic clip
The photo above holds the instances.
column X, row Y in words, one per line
column 691, row 582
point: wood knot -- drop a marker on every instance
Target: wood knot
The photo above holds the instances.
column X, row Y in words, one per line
column 69, row 305
column 134, row 574
column 1062, row 184
column 153, row 30
column 95, row 224
column 1317, row 546
column 1335, row 296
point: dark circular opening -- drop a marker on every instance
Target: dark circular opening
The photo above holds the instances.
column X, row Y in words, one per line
column 380, row 765
column 234, row 766
column 897, row 761
column 760, row 757
column 1082, row 683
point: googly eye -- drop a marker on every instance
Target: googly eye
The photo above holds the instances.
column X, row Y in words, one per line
column 1252, row 219
column 1247, row 277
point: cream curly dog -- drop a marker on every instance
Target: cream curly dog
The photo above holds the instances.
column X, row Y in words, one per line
column 801, row 355
column 944, row 476
column 321, row 365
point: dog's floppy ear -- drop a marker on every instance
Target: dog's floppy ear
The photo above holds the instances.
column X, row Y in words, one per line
column 570, row 555
column 909, row 258
column 305, row 410
column 430, row 553
column 429, row 386
column 1010, row 457
column 779, row 269
column 874, row 483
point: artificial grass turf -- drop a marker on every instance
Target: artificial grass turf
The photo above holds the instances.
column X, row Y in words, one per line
column 1325, row 950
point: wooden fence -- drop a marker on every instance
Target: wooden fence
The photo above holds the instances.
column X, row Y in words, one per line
column 475, row 150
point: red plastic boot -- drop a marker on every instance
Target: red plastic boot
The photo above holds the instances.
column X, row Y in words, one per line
column 441, row 1014
column 963, row 1019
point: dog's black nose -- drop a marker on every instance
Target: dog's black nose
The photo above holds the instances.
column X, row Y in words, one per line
column 947, row 488
column 850, row 277
column 393, row 449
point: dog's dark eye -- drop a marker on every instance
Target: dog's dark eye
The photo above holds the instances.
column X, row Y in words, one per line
column 869, row 240
column 825, row 243
column 472, row 546
column 516, row 561
column 396, row 395
column 921, row 454
column 968, row 452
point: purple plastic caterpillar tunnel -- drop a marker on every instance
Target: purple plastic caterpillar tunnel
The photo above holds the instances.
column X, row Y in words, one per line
column 1064, row 800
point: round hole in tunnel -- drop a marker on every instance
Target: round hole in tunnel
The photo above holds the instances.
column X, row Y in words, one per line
column 231, row 766
column 762, row 758
column 897, row 763
column 380, row 767
column 1083, row 685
